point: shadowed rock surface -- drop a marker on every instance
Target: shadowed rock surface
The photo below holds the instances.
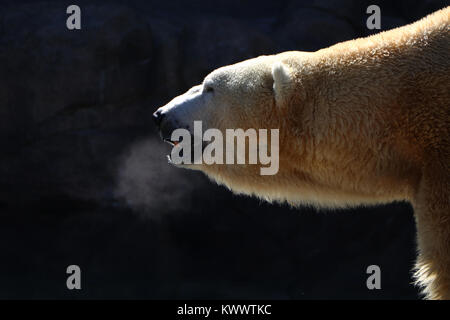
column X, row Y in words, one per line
column 83, row 174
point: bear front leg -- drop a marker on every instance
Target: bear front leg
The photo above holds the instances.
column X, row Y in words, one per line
column 432, row 212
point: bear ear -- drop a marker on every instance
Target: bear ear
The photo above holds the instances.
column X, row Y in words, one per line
column 282, row 80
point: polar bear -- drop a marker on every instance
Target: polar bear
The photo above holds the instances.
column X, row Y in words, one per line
column 365, row 121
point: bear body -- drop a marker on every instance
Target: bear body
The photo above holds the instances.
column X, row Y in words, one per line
column 365, row 121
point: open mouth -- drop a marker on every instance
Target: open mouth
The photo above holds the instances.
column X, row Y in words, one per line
column 181, row 152
column 172, row 143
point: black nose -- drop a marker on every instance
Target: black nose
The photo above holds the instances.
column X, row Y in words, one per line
column 158, row 116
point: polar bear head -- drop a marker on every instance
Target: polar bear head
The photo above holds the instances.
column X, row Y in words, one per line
column 255, row 94
column 248, row 94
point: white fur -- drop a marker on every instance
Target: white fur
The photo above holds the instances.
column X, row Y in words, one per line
column 281, row 80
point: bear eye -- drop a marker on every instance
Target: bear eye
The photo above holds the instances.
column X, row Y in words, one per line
column 209, row 89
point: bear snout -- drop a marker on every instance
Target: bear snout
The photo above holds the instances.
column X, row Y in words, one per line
column 166, row 124
column 158, row 117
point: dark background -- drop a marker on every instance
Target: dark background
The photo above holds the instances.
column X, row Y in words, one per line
column 83, row 174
